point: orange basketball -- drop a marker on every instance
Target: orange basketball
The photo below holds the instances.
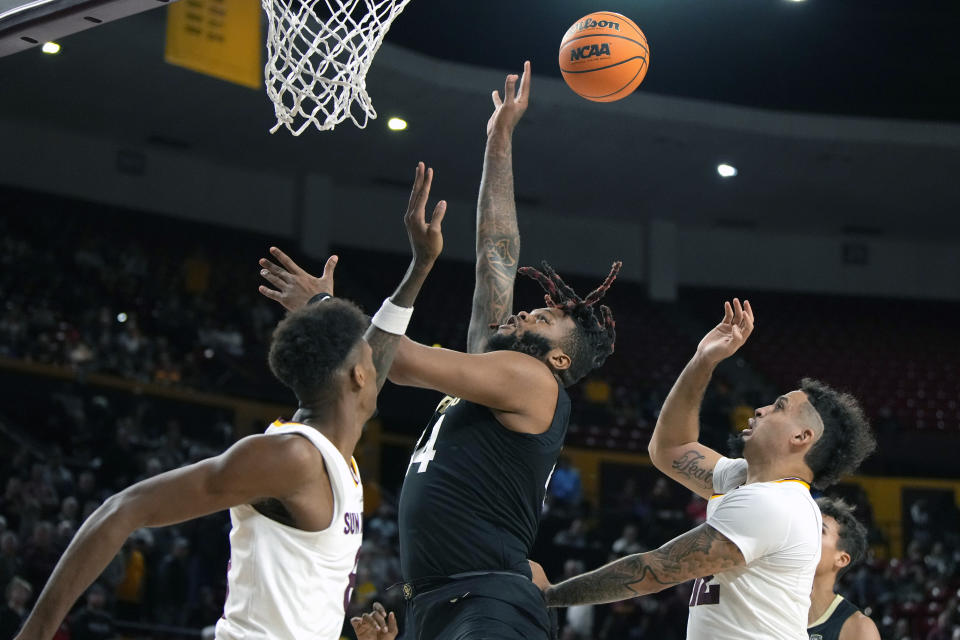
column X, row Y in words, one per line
column 604, row 56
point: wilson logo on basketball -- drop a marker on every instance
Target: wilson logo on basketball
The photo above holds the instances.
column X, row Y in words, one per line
column 590, row 23
column 589, row 51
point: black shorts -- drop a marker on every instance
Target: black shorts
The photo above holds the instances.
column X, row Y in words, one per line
column 490, row 607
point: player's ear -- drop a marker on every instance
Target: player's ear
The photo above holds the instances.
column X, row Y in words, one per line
column 804, row 437
column 358, row 378
column 842, row 560
column 558, row 359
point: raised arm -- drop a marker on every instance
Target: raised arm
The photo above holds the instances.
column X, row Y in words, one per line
column 255, row 468
column 674, row 448
column 700, row 552
column 498, row 236
column 295, row 287
column 426, row 242
column 520, row 388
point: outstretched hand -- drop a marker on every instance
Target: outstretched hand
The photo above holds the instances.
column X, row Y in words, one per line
column 294, row 286
column 426, row 238
column 376, row 625
column 728, row 336
column 508, row 110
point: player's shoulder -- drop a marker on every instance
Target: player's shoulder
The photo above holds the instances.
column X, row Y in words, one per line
column 293, row 450
column 774, row 500
column 859, row 627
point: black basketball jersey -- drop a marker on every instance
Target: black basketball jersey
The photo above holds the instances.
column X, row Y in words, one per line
column 474, row 490
column 830, row 628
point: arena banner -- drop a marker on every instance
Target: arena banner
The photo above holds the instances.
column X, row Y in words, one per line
column 220, row 38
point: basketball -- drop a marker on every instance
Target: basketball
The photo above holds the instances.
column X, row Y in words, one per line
column 604, row 56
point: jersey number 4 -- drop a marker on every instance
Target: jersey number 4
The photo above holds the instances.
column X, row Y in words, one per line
column 423, row 455
column 704, row 593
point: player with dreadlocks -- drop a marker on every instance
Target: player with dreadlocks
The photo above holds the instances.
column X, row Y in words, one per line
column 471, row 501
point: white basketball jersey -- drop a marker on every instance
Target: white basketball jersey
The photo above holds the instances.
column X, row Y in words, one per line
column 777, row 526
column 288, row 584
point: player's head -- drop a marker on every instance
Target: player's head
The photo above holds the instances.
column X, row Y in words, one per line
column 319, row 352
column 567, row 334
column 844, row 538
column 826, row 429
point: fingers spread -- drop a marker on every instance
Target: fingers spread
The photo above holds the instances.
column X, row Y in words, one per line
column 417, row 180
column 330, row 266
column 510, row 89
column 285, row 260
column 496, row 100
column 420, row 203
column 270, row 293
column 524, row 91
column 727, row 313
column 276, row 270
column 273, row 279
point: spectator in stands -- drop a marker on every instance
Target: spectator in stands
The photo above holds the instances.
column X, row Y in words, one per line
column 64, row 534
column 15, row 610
column 573, row 537
column 87, row 489
column 383, row 525
column 93, row 621
column 579, row 623
column 69, row 511
column 41, row 554
column 10, row 563
column 130, row 590
column 628, row 503
column 628, row 543
column 174, row 582
column 565, row 485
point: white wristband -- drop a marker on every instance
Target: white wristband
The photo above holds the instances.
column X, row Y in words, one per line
column 391, row 318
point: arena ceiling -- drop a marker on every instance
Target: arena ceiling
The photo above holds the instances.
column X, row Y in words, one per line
column 881, row 58
column 729, row 82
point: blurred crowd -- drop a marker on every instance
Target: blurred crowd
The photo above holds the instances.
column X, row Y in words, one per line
column 144, row 300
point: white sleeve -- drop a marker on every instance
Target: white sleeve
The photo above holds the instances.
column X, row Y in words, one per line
column 755, row 519
column 728, row 474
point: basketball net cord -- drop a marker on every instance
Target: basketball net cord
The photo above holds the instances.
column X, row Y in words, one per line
column 318, row 56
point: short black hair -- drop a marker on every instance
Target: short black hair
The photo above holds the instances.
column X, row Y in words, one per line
column 846, row 439
column 312, row 343
column 851, row 534
column 593, row 338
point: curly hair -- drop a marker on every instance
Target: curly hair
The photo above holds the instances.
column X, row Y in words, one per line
column 594, row 338
column 851, row 534
column 310, row 345
column 847, row 438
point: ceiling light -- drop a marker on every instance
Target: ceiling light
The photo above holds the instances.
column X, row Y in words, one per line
column 396, row 124
column 726, row 171
column 50, row 47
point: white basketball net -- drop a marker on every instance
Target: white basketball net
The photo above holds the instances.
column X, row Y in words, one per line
column 318, row 55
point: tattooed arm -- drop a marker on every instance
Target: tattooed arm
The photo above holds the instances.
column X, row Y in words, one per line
column 498, row 235
column 674, row 448
column 426, row 241
column 700, row 552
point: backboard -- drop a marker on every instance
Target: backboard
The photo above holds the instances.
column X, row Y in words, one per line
column 29, row 23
